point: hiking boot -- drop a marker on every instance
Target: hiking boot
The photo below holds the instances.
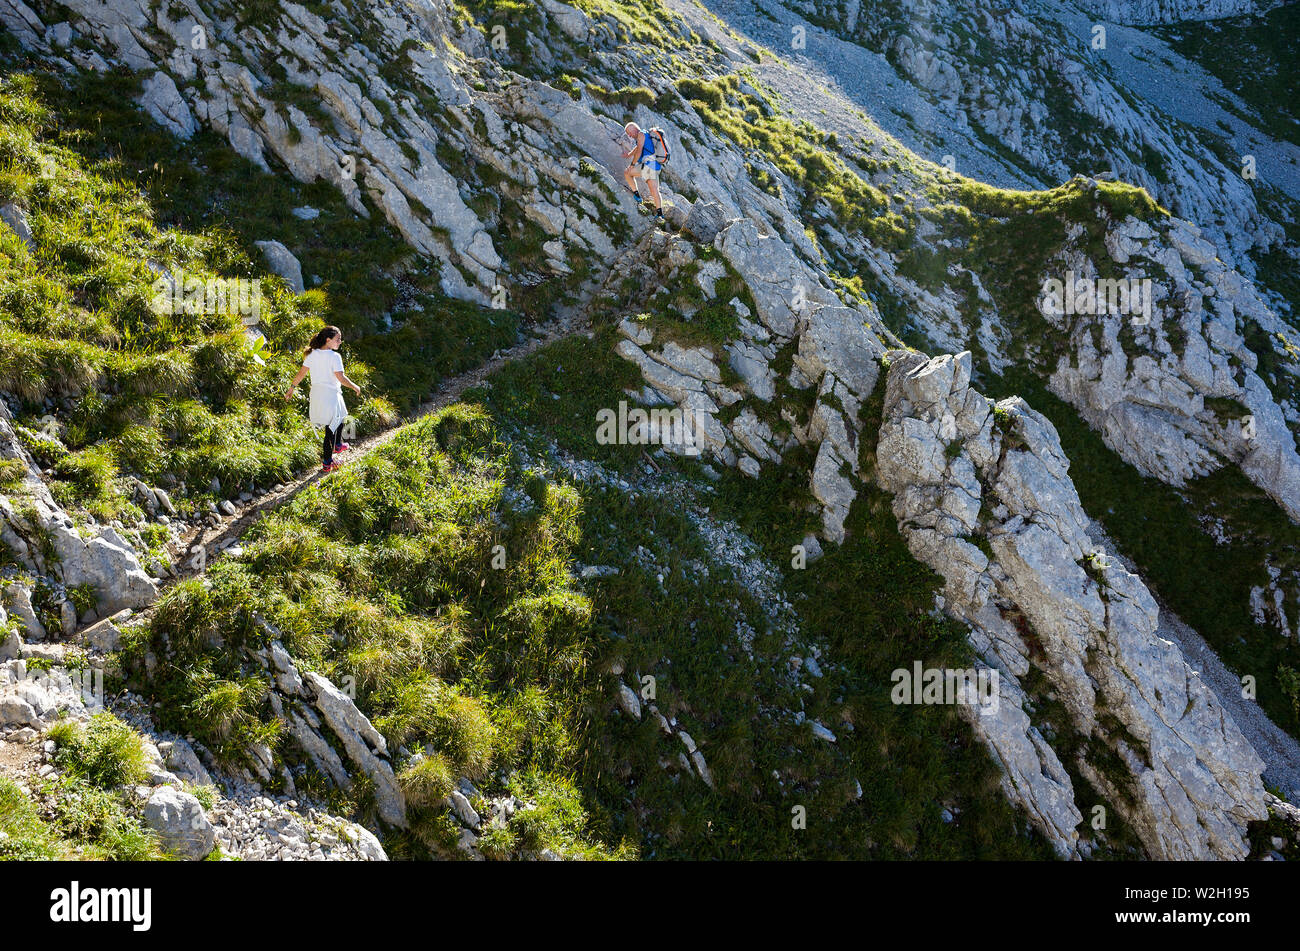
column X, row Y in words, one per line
column 333, row 466
column 659, row 213
column 342, row 447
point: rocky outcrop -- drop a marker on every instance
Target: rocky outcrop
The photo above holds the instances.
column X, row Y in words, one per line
column 281, row 261
column 982, row 495
column 1175, row 391
column 834, row 348
column 39, row 683
column 1151, row 12
column 319, row 718
column 704, row 220
column 16, row 220
column 1156, row 397
column 181, row 824
column 162, row 100
column 35, row 699
column 1033, row 776
column 45, row 539
column 388, row 144
column 241, row 822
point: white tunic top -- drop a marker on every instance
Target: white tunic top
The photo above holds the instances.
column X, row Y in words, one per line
column 327, row 406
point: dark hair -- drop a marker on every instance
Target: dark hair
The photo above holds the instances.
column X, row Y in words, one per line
column 322, row 337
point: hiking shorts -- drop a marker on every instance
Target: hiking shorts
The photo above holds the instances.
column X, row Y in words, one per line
column 648, row 170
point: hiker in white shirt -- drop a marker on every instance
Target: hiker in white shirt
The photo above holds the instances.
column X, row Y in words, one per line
column 322, row 361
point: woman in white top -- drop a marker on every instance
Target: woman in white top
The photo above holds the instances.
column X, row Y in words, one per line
column 322, row 361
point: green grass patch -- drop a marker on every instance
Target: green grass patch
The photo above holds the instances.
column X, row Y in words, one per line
column 104, row 752
column 396, row 591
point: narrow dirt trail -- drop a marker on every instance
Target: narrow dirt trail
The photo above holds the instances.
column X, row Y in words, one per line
column 214, row 541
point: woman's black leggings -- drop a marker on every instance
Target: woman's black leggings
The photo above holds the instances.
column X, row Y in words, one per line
column 333, row 439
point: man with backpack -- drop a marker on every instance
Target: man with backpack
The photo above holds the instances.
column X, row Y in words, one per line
column 649, row 154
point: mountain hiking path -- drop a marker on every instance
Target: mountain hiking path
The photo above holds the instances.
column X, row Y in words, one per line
column 196, row 551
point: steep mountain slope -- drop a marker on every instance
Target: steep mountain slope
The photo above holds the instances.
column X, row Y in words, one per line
column 1032, row 98
column 469, row 150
